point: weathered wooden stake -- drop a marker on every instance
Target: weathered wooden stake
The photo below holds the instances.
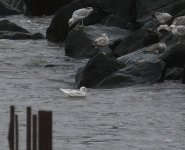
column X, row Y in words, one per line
column 16, row 133
column 45, row 130
column 28, row 131
column 34, row 132
column 11, row 128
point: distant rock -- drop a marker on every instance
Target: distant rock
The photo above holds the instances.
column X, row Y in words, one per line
column 98, row 67
column 137, row 40
column 7, row 10
column 6, row 25
column 9, row 30
column 174, row 73
column 80, row 42
column 43, row 7
column 59, row 27
column 140, row 73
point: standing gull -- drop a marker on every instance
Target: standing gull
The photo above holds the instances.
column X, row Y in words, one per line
column 162, row 17
column 179, row 21
column 75, row 93
column 178, row 31
column 102, row 43
column 79, row 15
column 103, row 40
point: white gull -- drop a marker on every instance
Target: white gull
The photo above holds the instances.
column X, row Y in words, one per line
column 75, row 93
column 162, row 17
column 103, row 40
column 79, row 15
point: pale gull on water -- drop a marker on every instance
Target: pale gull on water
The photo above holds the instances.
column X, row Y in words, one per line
column 162, row 17
column 75, row 93
column 79, row 15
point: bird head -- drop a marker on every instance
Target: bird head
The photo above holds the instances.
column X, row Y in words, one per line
column 83, row 89
column 164, row 27
column 89, row 8
column 172, row 27
column 157, row 14
column 71, row 22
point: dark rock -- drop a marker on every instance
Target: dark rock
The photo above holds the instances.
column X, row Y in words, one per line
column 96, row 69
column 174, row 73
column 59, row 27
column 140, row 73
column 19, row 35
column 137, row 40
column 9, row 30
column 81, row 41
column 6, row 10
column 6, row 25
column 174, row 54
column 183, row 76
column 142, row 67
column 43, row 7
column 117, row 21
column 126, row 9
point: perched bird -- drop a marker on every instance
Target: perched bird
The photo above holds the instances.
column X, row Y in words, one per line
column 179, row 21
column 178, row 31
column 162, row 17
column 164, row 27
column 79, row 15
column 103, row 40
column 158, row 48
column 75, row 93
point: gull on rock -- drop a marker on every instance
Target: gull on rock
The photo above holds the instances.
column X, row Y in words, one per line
column 79, row 15
column 164, row 27
column 178, row 31
column 179, row 21
column 75, row 93
column 103, row 40
column 162, row 17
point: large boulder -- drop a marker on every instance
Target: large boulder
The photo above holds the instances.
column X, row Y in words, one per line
column 6, row 25
column 43, row 7
column 9, row 30
column 145, row 9
column 137, row 40
column 126, row 9
column 140, row 73
column 7, row 10
column 20, row 35
column 97, row 68
column 80, row 42
column 59, row 27
column 140, row 67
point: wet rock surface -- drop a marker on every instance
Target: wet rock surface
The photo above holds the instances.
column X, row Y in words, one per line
column 9, row 30
column 81, row 41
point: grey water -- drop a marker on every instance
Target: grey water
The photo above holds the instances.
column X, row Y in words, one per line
column 132, row 118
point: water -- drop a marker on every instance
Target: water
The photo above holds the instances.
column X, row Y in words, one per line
column 133, row 118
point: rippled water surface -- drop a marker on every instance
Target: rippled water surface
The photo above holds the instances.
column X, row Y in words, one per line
column 133, row 118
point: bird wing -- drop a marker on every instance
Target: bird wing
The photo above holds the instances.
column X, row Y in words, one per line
column 81, row 13
column 179, row 21
column 181, row 30
column 71, row 92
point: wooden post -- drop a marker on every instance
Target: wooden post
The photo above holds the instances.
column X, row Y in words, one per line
column 16, row 133
column 45, row 130
column 11, row 128
column 34, row 132
column 28, row 131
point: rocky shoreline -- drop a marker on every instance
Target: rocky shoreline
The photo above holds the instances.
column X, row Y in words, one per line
column 130, row 57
